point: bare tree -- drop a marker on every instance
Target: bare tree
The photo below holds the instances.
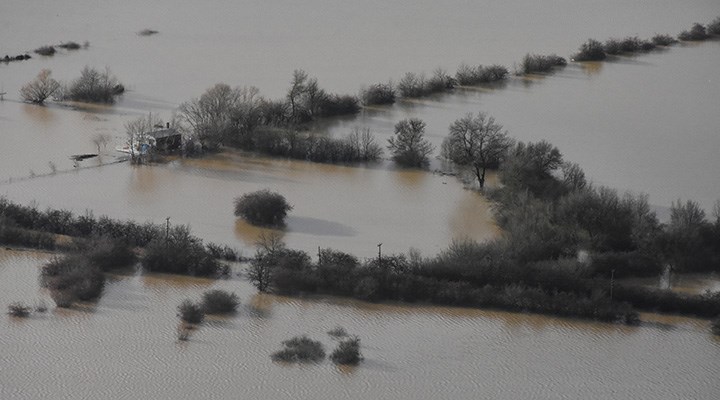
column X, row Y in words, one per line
column 101, row 139
column 363, row 145
column 409, row 146
column 136, row 131
column 477, row 142
column 42, row 87
column 261, row 268
column 221, row 113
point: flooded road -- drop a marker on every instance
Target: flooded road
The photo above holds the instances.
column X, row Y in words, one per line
column 125, row 347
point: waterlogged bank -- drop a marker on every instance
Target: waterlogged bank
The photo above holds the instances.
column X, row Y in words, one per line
column 126, row 344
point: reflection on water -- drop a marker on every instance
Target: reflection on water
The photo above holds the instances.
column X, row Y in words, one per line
column 250, row 234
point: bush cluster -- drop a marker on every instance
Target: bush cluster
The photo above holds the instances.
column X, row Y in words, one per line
column 468, row 75
column 347, row 352
column 535, row 63
column 219, row 302
column 179, row 252
column 94, row 86
column 45, row 50
column 663, row 40
column 191, row 313
column 630, row 45
column 377, row 94
column 300, row 349
column 696, row 33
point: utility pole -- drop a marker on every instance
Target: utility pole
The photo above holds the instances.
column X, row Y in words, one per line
column 379, row 253
column 319, row 256
column 167, row 234
column 612, row 284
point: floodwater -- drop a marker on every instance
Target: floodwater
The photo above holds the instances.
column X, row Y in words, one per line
column 646, row 124
column 125, row 346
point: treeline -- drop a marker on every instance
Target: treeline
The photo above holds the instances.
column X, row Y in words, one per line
column 171, row 249
column 467, row 274
column 594, row 50
column 564, row 242
column 242, row 118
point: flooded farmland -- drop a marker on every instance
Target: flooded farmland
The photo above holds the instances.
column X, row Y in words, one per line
column 647, row 123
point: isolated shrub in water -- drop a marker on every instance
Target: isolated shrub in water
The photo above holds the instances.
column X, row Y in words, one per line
column 300, row 349
column 19, row 309
column 347, row 352
column 219, row 302
column 533, row 63
column 409, row 147
column 262, row 208
column 40, row 89
column 45, row 50
column 72, row 278
column 190, row 312
column 69, row 46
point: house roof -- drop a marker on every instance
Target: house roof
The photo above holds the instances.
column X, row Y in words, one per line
column 164, row 133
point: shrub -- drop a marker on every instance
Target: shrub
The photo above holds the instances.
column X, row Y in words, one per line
column 40, row 89
column 379, row 93
column 663, row 40
column 347, row 352
column 696, row 33
column 612, row 47
column 300, row 349
column 95, row 87
column 45, row 50
column 190, row 312
column 224, row 252
column 413, row 85
column 333, row 105
column 69, row 46
column 19, row 309
column 715, row 326
column 219, row 302
column 262, row 208
column 337, row 332
column 592, row 50
column 467, row 75
column 72, row 278
column 180, row 253
column 534, row 63
column 147, row 32
column 713, row 28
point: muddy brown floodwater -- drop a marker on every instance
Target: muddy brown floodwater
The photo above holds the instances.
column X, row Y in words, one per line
column 647, row 123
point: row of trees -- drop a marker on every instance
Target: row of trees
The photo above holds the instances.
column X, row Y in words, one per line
column 92, row 86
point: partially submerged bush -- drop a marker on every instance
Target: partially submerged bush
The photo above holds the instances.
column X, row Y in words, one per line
column 69, row 46
column 147, row 32
column 713, row 28
column 592, row 50
column 94, row 86
column 467, row 75
column 534, row 63
column 663, row 40
column 379, row 93
column 337, row 332
column 262, row 208
column 300, row 349
column 347, row 352
column 180, row 253
column 40, row 89
column 715, row 326
column 190, row 312
column 45, row 50
column 219, row 302
column 696, row 33
column 19, row 309
column 72, row 278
